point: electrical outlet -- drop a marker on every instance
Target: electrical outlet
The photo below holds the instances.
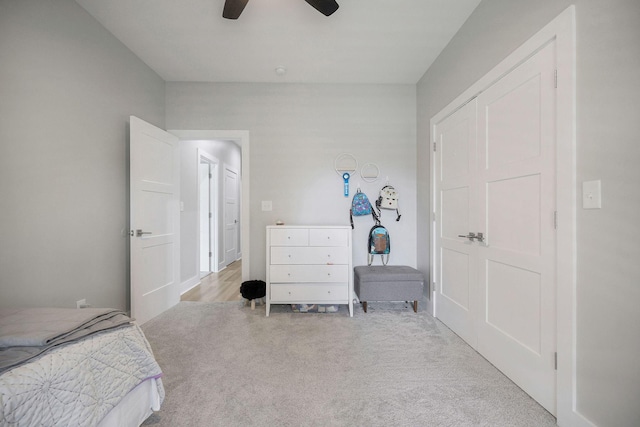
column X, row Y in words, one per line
column 81, row 303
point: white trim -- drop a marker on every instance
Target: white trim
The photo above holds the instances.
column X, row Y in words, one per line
column 562, row 30
column 189, row 284
column 240, row 137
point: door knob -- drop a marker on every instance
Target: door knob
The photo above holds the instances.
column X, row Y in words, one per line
column 139, row 232
column 469, row 236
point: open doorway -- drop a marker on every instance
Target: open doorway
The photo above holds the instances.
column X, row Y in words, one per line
column 224, row 148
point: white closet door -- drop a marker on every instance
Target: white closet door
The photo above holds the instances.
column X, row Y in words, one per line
column 495, row 175
column 516, row 173
column 456, row 257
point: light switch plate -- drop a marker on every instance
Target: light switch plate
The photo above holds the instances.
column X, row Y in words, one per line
column 591, row 195
column 267, row 205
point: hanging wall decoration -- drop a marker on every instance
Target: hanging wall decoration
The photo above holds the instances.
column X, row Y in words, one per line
column 369, row 172
column 345, row 165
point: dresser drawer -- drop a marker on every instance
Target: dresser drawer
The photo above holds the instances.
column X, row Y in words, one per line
column 309, row 255
column 304, row 292
column 328, row 237
column 309, row 273
column 289, row 237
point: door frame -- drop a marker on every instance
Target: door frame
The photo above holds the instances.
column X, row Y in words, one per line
column 241, row 138
column 562, row 31
column 204, row 157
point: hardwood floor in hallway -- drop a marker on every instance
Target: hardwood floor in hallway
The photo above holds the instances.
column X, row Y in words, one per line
column 218, row 287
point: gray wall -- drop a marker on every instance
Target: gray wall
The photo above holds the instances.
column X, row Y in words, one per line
column 296, row 133
column 608, row 85
column 67, row 88
column 227, row 153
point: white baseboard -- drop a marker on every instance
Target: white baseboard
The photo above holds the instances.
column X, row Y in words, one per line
column 189, row 284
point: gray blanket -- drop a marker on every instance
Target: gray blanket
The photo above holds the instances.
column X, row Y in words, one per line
column 26, row 333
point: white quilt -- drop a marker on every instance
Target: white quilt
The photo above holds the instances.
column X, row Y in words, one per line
column 77, row 384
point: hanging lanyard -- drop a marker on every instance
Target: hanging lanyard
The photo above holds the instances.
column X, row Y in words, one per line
column 345, row 177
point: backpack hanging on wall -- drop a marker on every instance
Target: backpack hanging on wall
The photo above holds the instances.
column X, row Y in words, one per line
column 360, row 206
column 388, row 199
column 379, row 243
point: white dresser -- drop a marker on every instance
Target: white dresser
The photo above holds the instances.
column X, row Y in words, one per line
column 309, row 265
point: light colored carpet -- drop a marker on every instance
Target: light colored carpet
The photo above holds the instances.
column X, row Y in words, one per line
column 226, row 365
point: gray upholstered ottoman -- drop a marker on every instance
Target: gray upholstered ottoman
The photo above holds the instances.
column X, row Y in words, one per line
column 388, row 283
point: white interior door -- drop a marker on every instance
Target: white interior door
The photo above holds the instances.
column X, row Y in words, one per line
column 456, row 257
column 205, row 218
column 517, row 194
column 230, row 215
column 498, row 292
column 154, row 173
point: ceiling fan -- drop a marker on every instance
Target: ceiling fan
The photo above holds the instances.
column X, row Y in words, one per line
column 233, row 8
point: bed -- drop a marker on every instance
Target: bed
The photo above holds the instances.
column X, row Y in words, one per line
column 69, row 367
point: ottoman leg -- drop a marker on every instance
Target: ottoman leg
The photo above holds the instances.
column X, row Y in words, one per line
column 364, row 306
column 415, row 306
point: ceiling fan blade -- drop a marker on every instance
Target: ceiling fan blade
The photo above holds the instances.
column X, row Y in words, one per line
column 233, row 8
column 326, row 7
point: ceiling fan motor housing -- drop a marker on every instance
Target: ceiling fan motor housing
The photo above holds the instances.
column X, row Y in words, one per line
column 233, row 8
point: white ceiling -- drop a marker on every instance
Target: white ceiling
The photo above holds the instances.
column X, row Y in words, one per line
column 364, row 41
